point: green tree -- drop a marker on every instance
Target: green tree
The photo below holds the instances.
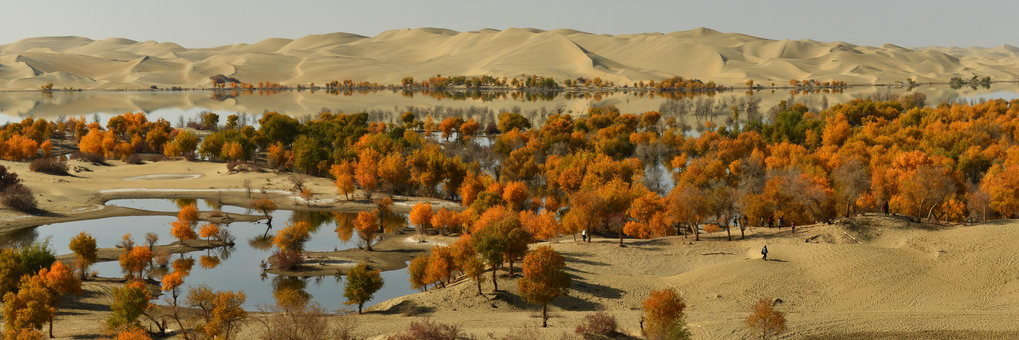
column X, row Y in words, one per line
column 129, row 302
column 362, row 283
column 308, row 153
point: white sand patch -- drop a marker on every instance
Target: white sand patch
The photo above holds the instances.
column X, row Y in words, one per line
column 414, row 240
column 163, row 176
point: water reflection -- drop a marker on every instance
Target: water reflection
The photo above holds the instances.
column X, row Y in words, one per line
column 233, row 268
column 484, row 105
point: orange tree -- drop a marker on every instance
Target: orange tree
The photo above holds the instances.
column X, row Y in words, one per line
column 663, row 315
column 544, row 279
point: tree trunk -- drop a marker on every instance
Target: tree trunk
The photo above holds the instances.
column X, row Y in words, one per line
column 728, row 232
column 495, row 284
column 696, row 232
column 511, row 268
column 544, row 315
column 51, row 326
column 359, row 306
column 478, row 281
column 742, row 232
column 620, row 236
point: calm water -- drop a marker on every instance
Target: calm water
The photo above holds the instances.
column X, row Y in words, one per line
column 173, row 106
column 239, row 268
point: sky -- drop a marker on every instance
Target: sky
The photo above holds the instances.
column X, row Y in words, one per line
column 208, row 23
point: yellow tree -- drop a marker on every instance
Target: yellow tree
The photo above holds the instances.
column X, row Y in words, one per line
column 421, row 216
column 515, row 194
column 440, row 266
column 184, row 226
column 344, row 174
column 367, row 225
column 663, row 315
column 649, row 217
column 292, row 237
column 544, row 279
column 366, row 171
column 84, row 248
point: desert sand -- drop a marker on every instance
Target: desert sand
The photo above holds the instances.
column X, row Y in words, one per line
column 727, row 58
column 867, row 276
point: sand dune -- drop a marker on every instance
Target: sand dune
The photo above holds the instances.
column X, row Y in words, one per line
column 728, row 58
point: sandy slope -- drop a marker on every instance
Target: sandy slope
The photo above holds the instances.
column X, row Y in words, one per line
column 902, row 281
column 423, row 52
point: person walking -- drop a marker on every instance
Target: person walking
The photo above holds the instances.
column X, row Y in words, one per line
column 793, row 224
column 764, row 252
column 583, row 235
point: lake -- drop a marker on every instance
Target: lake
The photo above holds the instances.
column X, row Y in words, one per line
column 387, row 104
column 239, row 267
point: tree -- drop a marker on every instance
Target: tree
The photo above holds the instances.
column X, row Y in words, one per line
column 30, row 307
column 421, row 216
column 922, row 190
column 440, row 266
column 59, row 280
column 84, row 247
column 208, row 231
column 515, row 194
column 362, row 283
column 663, row 315
column 10, row 270
column 129, row 302
column 649, row 217
column 445, row 220
column 344, row 174
column 765, row 319
column 220, row 311
column 1001, row 186
column 266, row 206
column 134, row 261
column 366, row 172
column 367, row 225
column 292, row 237
column 544, row 278
column 851, row 180
column 184, row 226
column 417, row 269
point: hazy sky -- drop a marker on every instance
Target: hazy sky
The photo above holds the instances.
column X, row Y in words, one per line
column 205, row 23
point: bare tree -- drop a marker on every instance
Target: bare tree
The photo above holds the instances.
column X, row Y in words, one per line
column 851, row 180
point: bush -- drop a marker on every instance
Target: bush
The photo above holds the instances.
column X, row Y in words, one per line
column 7, row 178
column 428, row 330
column 18, row 197
column 133, row 159
column 596, row 325
column 49, row 165
column 89, row 157
column 285, row 259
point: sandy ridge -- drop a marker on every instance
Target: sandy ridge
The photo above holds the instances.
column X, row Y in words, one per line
column 729, row 58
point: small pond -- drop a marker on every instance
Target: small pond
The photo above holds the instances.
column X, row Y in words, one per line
column 239, row 267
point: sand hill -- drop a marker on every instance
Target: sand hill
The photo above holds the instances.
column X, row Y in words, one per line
column 728, row 58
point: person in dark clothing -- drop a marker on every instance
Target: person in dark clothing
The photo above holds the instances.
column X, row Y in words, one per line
column 793, row 224
column 886, row 208
column 764, row 252
column 771, row 221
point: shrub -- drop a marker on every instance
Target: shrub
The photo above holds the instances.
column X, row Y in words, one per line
column 599, row 324
column 18, row 197
column 428, row 330
column 765, row 320
column 133, row 159
column 89, row 157
column 285, row 259
column 49, row 165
